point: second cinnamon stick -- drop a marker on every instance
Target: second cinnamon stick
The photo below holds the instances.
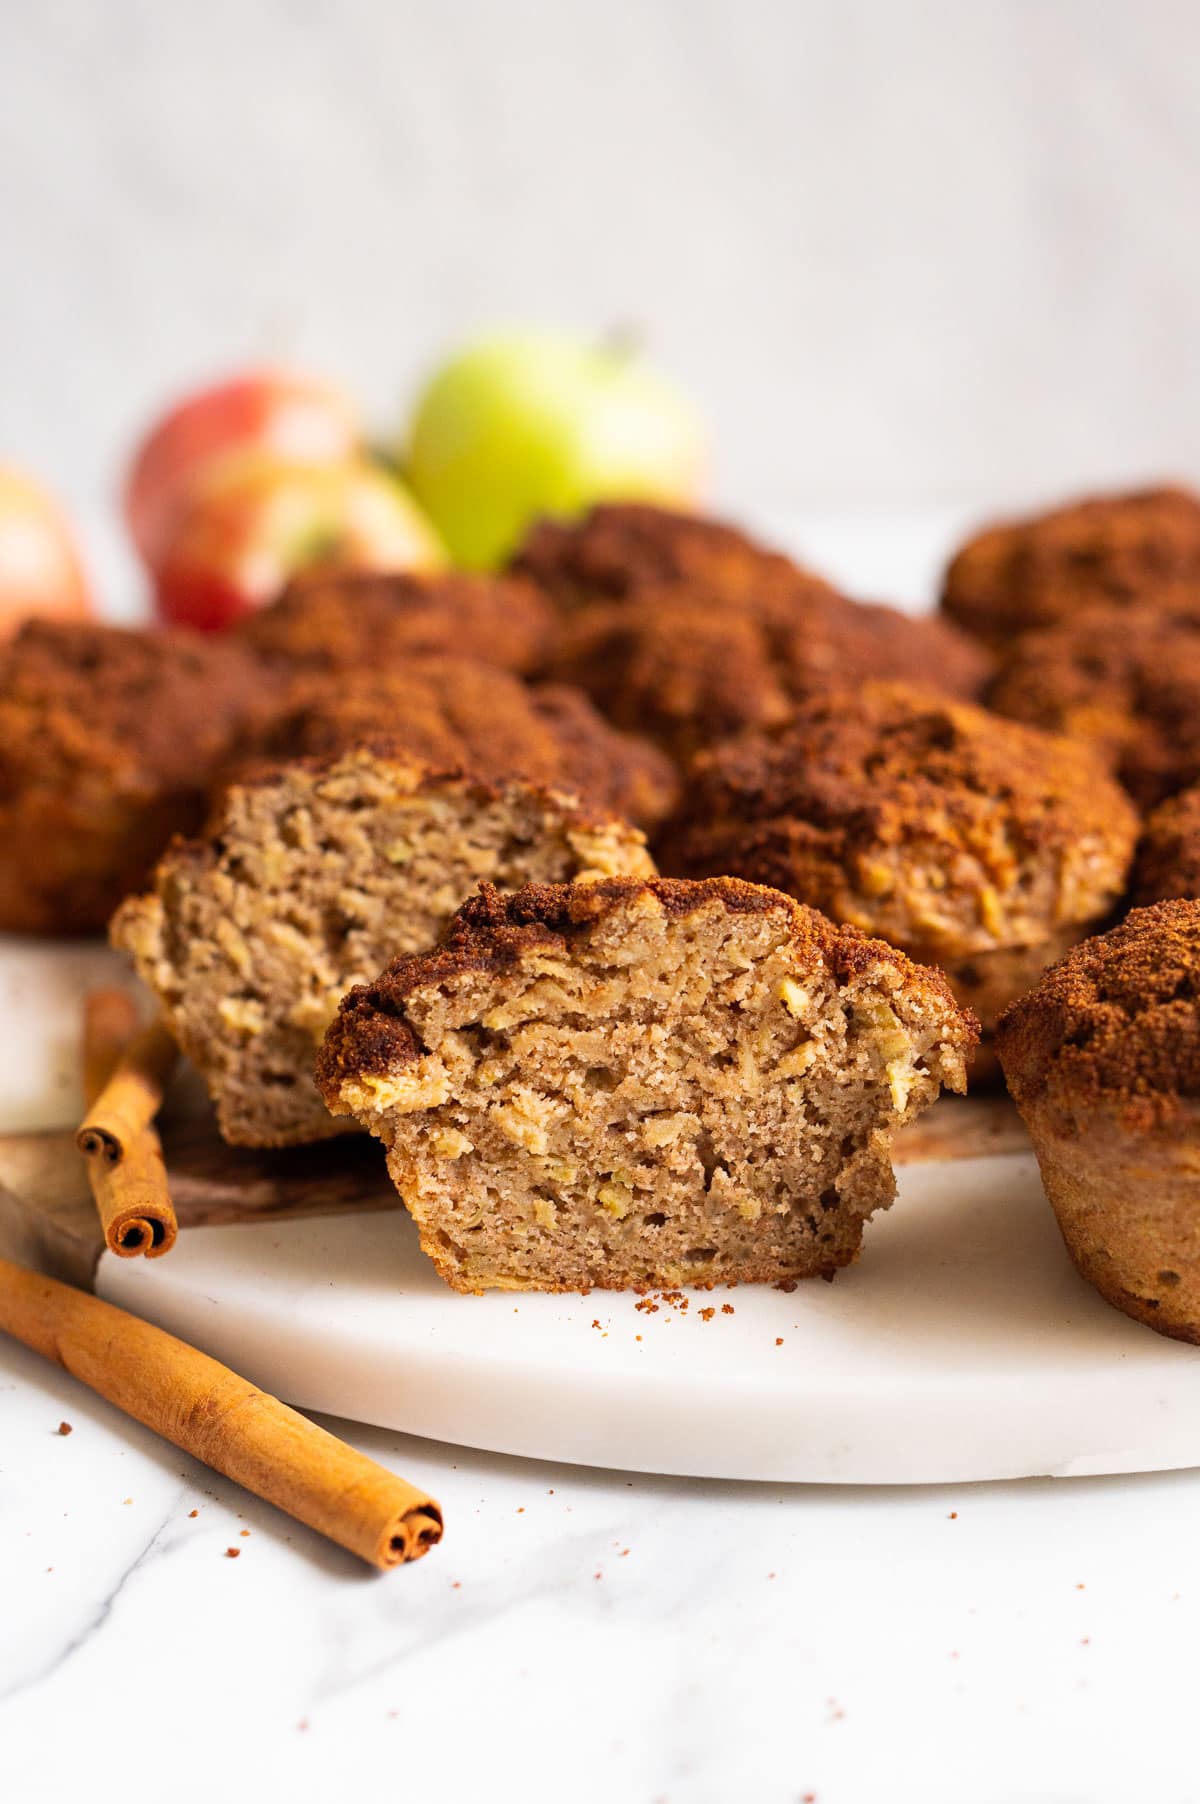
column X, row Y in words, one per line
column 125, row 1073
column 132, row 1095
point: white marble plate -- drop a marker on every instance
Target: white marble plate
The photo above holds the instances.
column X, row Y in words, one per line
column 963, row 1346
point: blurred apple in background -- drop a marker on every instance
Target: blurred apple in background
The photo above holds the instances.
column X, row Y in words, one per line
column 254, row 520
column 40, row 567
column 298, row 418
column 528, row 423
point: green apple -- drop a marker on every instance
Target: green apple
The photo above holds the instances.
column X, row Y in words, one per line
column 530, row 423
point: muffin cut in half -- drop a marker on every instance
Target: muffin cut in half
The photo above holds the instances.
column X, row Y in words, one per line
column 109, row 738
column 636, row 1083
column 308, row 880
column 969, row 841
column 1126, row 549
column 1103, row 1062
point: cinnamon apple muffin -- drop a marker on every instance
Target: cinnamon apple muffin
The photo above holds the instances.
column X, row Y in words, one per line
column 351, row 620
column 969, row 841
column 456, row 711
column 1124, row 549
column 688, row 672
column 1103, row 1062
column 306, row 881
column 635, row 1083
column 1168, row 856
column 109, row 737
column 619, row 550
column 1132, row 692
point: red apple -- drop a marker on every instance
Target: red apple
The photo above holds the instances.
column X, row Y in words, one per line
column 296, row 417
column 254, row 521
column 40, row 569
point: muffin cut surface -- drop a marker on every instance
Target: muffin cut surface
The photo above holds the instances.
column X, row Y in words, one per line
column 639, row 1082
column 308, row 880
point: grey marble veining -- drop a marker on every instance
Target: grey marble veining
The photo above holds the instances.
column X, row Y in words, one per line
column 583, row 1634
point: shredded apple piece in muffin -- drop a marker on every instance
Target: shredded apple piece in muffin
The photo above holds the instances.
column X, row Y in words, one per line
column 642, row 1083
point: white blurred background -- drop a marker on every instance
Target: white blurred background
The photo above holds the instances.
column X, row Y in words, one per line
column 905, row 253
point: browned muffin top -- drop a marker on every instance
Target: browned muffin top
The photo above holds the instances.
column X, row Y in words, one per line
column 618, row 550
column 354, row 620
column 1123, row 549
column 1134, row 693
column 1168, row 860
column 147, row 710
column 453, row 711
column 620, row 768
column 925, row 819
column 1115, row 1022
column 689, row 673
column 494, row 932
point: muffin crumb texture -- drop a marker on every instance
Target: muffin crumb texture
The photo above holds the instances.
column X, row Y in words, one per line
column 639, row 1083
column 308, row 880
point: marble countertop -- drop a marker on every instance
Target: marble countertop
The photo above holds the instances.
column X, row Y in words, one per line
column 583, row 1634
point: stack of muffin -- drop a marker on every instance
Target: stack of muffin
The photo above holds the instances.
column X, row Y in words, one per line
column 645, row 688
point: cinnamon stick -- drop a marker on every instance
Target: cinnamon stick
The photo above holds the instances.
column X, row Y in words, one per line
column 110, row 1020
column 204, row 1408
column 125, row 1074
column 132, row 1096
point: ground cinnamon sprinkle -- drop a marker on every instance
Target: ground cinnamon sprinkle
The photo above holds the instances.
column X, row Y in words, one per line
column 64, row 1428
column 1116, row 1021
